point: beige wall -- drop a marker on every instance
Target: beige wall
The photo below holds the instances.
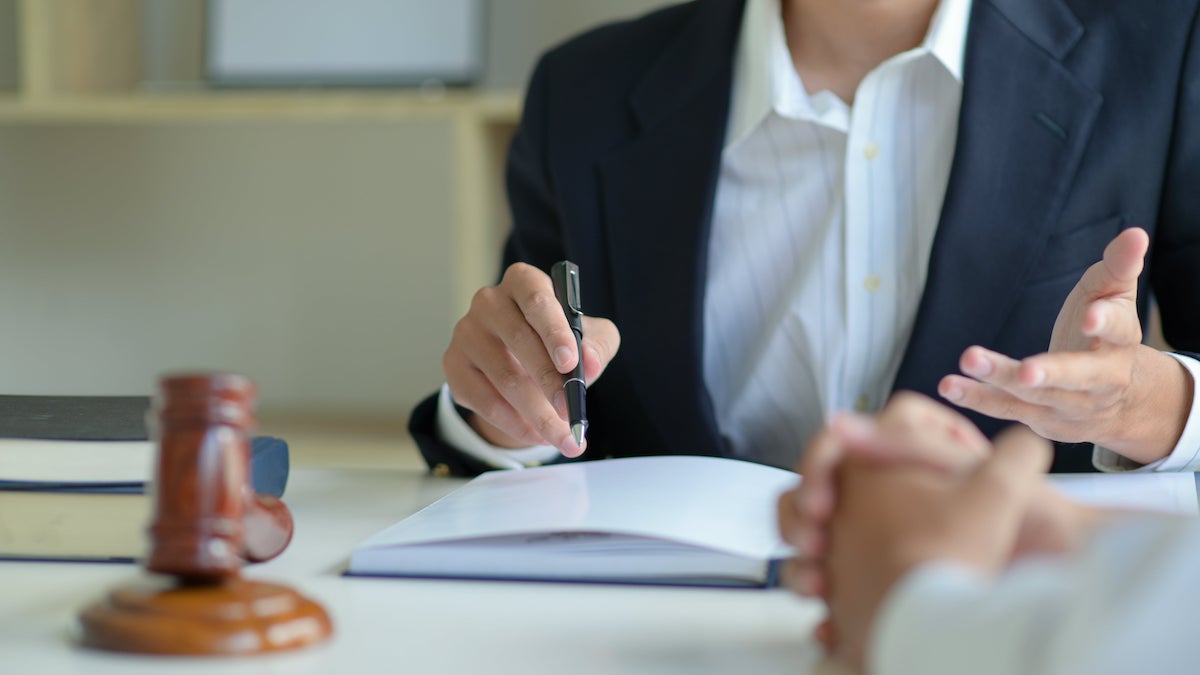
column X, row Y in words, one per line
column 313, row 255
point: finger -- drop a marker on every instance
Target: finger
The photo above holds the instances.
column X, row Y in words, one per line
column 1112, row 321
column 1030, row 380
column 999, row 491
column 799, row 529
column 826, row 635
column 533, row 293
column 787, row 516
column 787, row 572
column 912, row 429
column 936, row 450
column 516, row 386
column 601, row 340
column 918, row 411
column 513, row 329
column 815, row 497
column 1124, row 257
column 802, row 578
column 1055, row 376
column 807, row 578
column 989, row 400
column 471, row 389
column 1117, row 272
column 988, row 366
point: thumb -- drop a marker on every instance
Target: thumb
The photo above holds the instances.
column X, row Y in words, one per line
column 998, row 493
column 1013, row 470
column 1124, row 258
column 601, row 340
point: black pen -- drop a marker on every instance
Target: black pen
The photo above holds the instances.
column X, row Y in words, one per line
column 565, row 275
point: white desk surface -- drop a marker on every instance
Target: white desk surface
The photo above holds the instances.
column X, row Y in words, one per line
column 416, row 626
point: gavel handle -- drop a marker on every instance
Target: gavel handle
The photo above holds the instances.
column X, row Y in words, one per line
column 269, row 527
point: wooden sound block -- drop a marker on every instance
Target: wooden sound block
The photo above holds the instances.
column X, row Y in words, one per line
column 232, row 616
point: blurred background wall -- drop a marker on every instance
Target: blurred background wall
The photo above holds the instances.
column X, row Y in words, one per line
column 312, row 253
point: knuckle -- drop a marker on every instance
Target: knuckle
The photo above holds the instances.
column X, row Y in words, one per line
column 537, row 300
column 545, row 423
column 507, row 380
column 561, row 335
column 1009, row 409
column 482, row 300
column 491, row 409
column 549, row 379
column 464, row 398
column 521, row 338
column 461, row 333
column 519, row 274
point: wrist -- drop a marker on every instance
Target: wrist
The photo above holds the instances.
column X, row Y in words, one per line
column 1156, row 412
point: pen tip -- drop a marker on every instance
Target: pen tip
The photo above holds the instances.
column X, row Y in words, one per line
column 577, row 432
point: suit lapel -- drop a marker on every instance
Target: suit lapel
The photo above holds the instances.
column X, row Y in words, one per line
column 657, row 196
column 1023, row 127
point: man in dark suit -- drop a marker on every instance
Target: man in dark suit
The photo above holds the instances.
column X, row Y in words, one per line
column 1019, row 137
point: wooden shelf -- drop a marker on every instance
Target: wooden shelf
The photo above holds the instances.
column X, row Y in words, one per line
column 500, row 108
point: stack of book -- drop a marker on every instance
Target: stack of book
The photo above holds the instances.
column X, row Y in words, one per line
column 75, row 473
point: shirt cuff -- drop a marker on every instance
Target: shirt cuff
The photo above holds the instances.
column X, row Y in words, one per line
column 1186, row 454
column 455, row 432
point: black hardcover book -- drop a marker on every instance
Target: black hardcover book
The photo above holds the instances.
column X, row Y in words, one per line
column 114, row 418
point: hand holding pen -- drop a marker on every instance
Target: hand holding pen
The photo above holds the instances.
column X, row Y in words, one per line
column 508, row 356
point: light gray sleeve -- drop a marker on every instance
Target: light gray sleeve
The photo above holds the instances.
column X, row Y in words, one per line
column 1126, row 604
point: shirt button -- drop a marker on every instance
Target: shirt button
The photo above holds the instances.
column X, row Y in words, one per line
column 862, row 403
column 872, row 283
column 871, row 150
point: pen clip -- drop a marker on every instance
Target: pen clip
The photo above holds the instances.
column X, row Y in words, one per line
column 565, row 275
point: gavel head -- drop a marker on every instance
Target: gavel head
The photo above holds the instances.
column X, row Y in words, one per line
column 207, row 519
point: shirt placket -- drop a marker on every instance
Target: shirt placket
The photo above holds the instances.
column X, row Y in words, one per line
column 870, row 225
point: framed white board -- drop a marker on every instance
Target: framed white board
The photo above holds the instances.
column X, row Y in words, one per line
column 343, row 42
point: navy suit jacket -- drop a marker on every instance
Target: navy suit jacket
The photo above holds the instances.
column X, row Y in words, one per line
column 1079, row 118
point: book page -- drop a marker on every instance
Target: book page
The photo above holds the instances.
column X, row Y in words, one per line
column 92, row 462
column 719, row 504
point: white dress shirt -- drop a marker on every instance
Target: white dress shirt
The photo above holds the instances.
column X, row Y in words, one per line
column 1126, row 604
column 822, row 229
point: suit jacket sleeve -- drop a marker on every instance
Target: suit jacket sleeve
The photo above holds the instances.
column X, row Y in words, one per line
column 1174, row 269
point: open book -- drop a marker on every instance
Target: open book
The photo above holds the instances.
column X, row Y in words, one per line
column 650, row 520
column 660, row 520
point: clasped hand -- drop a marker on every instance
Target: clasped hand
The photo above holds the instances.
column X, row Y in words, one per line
column 914, row 484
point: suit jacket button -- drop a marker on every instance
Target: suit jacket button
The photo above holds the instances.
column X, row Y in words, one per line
column 441, row 470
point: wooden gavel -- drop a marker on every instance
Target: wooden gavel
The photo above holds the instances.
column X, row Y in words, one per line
column 208, row 523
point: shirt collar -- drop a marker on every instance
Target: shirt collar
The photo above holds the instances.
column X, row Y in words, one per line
column 765, row 80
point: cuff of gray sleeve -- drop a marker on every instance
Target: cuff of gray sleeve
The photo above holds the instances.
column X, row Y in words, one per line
column 1186, row 454
column 455, row 432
